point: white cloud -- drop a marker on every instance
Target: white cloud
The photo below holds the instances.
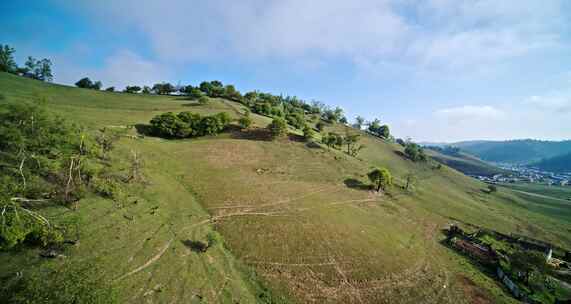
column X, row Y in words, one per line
column 120, row 69
column 127, row 68
column 465, row 114
column 438, row 33
column 551, row 104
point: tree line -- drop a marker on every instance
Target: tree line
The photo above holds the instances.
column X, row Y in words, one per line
column 33, row 68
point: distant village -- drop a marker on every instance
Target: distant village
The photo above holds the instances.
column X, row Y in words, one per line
column 522, row 174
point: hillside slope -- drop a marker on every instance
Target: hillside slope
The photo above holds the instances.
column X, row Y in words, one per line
column 560, row 163
column 298, row 221
column 465, row 163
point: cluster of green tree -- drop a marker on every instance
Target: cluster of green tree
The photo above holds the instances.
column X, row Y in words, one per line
column 187, row 124
column 86, row 83
column 290, row 108
column 414, row 152
column 163, row 88
column 131, row 89
column 350, row 141
column 42, row 159
column 36, row 69
column 375, row 128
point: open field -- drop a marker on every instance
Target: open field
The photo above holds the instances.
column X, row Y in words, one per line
column 296, row 218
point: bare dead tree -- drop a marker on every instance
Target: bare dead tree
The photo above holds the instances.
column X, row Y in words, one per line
column 135, row 174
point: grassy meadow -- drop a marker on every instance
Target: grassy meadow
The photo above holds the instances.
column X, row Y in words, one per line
column 298, row 220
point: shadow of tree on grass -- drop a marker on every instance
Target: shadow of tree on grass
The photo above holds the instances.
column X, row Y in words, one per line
column 356, row 184
column 195, row 246
column 250, row 134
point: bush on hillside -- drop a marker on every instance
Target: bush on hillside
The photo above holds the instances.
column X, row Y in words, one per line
column 296, row 120
column 381, row 178
column 170, row 125
column 62, row 284
column 42, row 159
column 333, row 140
column 214, row 239
column 351, row 141
column 203, row 100
column 245, row 122
column 86, row 83
column 132, row 89
column 163, row 88
column 414, row 152
column 187, row 124
column 308, row 133
column 278, row 128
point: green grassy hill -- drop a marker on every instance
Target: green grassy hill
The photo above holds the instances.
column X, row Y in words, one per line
column 298, row 222
column 465, row 163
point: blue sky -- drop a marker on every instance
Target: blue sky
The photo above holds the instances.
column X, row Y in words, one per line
column 434, row 70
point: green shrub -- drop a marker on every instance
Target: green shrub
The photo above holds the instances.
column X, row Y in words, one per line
column 193, row 122
column 203, row 100
column 42, row 157
column 62, row 284
column 308, row 133
column 210, row 125
column 296, row 119
column 170, row 125
column 320, row 126
column 381, row 178
column 414, row 152
column 278, row 128
column 332, row 139
column 18, row 224
column 214, row 239
column 187, row 124
column 245, row 121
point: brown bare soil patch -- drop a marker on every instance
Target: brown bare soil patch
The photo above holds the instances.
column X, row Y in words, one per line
column 476, row 294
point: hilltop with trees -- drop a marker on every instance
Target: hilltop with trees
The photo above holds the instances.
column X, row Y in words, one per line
column 33, row 68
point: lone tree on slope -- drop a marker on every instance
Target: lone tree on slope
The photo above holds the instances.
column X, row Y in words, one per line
column 381, row 178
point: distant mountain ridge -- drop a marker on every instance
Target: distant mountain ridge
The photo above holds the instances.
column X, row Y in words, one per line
column 520, row 151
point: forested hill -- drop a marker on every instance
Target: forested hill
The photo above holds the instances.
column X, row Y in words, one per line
column 561, row 163
column 523, row 151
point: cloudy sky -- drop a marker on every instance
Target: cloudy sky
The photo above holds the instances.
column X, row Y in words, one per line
column 435, row 70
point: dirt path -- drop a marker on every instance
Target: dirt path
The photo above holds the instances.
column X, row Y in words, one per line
column 149, row 262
